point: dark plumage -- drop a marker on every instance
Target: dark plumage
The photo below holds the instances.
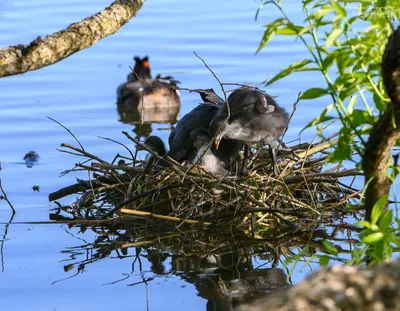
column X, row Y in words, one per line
column 182, row 140
column 156, row 144
column 142, row 91
column 255, row 118
column 209, row 96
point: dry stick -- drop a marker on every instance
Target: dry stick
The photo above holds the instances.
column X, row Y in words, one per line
column 345, row 199
column 290, row 118
column 310, row 151
column 215, row 76
column 72, row 134
column 328, row 138
column 87, row 154
column 80, row 186
column 77, row 221
column 131, row 169
column 163, row 217
column 319, row 147
column 6, row 198
column 297, row 178
column 117, row 142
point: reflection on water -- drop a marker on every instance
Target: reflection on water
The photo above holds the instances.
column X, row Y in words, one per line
column 226, row 268
column 143, row 120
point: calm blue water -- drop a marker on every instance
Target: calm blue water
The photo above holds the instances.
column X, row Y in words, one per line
column 80, row 93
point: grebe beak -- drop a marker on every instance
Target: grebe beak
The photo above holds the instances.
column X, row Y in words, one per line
column 217, row 142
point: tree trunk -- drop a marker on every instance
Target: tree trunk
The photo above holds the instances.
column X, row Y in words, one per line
column 42, row 52
column 386, row 131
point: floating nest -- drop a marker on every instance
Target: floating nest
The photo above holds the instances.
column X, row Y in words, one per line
column 304, row 195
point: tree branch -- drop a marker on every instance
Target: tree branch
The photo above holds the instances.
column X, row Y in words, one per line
column 42, row 52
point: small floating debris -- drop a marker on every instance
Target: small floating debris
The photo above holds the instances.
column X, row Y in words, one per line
column 31, row 158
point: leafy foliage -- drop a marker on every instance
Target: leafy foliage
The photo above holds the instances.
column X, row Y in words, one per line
column 345, row 40
column 348, row 60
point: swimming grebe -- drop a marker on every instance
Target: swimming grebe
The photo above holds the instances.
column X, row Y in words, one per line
column 143, row 92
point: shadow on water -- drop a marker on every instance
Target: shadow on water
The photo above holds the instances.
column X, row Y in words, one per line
column 227, row 267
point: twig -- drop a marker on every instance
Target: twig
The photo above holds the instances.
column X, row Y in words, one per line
column 215, row 76
column 87, row 154
column 344, row 173
column 121, row 144
column 4, row 196
column 72, row 134
column 163, row 217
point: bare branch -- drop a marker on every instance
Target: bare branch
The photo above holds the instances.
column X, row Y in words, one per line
column 42, row 52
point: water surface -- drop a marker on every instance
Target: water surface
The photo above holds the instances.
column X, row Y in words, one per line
column 80, row 93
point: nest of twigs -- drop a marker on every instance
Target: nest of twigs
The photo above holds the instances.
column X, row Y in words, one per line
column 183, row 193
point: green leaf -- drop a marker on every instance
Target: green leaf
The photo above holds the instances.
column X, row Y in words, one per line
column 373, row 238
column 270, row 32
column 328, row 61
column 332, row 37
column 380, row 104
column 364, row 223
column 314, row 92
column 374, row 227
column 324, row 261
column 329, row 247
column 321, row 118
column 295, row 67
column 360, row 117
column 378, row 208
column 343, row 148
column 386, row 220
column 289, row 31
column 352, row 103
column 339, row 8
column 260, row 8
column 319, row 14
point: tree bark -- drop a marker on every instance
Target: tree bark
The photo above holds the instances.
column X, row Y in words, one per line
column 42, row 52
column 386, row 131
column 339, row 288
